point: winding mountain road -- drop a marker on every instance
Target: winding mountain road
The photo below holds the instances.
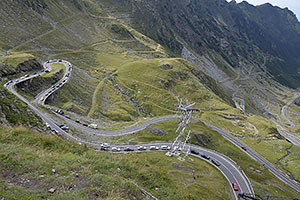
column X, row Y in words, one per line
column 227, row 167
column 257, row 157
column 279, row 123
column 283, row 109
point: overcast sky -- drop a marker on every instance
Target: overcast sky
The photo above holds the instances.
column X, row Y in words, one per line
column 293, row 5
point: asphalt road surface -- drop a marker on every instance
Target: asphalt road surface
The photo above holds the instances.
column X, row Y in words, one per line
column 291, row 124
column 257, row 157
column 227, row 167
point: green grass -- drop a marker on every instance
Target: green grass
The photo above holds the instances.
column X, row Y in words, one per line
column 264, row 182
column 274, row 149
column 31, row 156
column 95, row 47
column 36, row 85
column 76, row 95
column 110, row 104
column 16, row 112
column 55, row 68
column 15, row 59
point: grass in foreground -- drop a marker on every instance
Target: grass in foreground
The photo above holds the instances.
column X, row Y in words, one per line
column 31, row 164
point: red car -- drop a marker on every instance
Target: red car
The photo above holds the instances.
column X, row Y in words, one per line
column 244, row 148
column 235, row 187
column 27, row 75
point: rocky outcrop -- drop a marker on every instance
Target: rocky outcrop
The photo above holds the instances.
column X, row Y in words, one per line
column 27, row 66
column 38, row 84
column 238, row 32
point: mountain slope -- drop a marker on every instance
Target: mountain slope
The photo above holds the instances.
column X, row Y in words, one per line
column 240, row 33
column 130, row 63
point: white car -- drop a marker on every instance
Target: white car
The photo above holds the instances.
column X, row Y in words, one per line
column 165, row 147
column 47, row 125
column 154, row 148
column 115, row 149
column 105, row 145
column 141, row 148
column 94, row 126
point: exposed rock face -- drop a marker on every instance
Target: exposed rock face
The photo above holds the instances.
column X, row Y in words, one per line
column 27, row 66
column 12, row 110
column 37, row 84
column 265, row 36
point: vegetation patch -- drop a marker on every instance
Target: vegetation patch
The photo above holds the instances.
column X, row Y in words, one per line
column 33, row 164
column 14, row 112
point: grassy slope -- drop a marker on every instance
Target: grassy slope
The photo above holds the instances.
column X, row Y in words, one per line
column 29, row 156
column 55, row 68
column 264, row 182
column 15, row 112
column 15, row 59
column 94, row 47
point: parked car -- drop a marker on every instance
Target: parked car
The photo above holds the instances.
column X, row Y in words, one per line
column 128, row 149
column 235, row 187
column 140, row 148
column 165, row 147
column 61, row 112
column 115, row 149
column 215, row 162
column 244, row 148
column 94, row 126
column 104, row 146
column 205, row 156
column 193, row 151
column 64, row 127
column 47, row 125
column 152, row 148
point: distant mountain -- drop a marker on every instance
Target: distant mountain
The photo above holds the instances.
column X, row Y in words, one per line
column 243, row 48
column 266, row 36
